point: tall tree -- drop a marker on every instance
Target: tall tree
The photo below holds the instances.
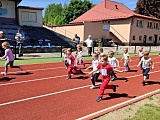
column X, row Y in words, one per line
column 75, row 9
column 148, row 8
column 52, row 12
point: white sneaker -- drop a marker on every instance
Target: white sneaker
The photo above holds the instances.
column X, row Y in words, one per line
column 92, row 87
column 4, row 73
column 20, row 67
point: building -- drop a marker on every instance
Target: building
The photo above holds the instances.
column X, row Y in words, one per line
column 113, row 20
column 10, row 12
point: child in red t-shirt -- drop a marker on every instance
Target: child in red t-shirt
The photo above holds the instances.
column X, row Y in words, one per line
column 105, row 70
column 71, row 66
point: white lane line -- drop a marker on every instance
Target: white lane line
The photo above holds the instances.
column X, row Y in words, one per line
column 40, row 79
column 120, row 104
column 45, row 95
column 34, row 80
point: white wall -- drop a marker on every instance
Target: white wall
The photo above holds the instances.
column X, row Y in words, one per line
column 30, row 17
column 7, row 9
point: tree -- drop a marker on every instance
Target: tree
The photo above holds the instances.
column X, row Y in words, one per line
column 75, row 9
column 52, row 12
column 148, row 7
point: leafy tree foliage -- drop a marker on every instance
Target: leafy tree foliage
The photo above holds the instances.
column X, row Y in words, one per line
column 56, row 14
column 148, row 8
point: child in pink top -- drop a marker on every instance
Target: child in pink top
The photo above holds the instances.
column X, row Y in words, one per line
column 9, row 57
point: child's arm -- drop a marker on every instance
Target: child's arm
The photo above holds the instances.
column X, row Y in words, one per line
column 117, row 63
column 89, row 67
column 152, row 64
column 93, row 71
column 139, row 63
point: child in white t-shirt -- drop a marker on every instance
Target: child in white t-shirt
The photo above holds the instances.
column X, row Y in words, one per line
column 126, row 60
column 94, row 65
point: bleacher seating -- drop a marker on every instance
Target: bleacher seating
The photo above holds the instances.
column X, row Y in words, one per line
column 32, row 35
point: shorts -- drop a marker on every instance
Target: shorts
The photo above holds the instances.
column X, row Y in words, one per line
column 145, row 71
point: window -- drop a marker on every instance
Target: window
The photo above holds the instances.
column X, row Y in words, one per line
column 156, row 25
column 150, row 38
column 150, row 24
column 29, row 16
column 140, row 38
column 134, row 37
column 139, row 23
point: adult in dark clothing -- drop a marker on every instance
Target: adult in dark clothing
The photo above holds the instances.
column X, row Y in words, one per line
column 76, row 40
column 2, row 39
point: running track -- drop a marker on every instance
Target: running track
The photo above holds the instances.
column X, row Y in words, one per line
column 41, row 92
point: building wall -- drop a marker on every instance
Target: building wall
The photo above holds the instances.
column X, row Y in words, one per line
column 7, row 9
column 139, row 32
column 70, row 30
column 121, row 29
column 30, row 17
column 97, row 30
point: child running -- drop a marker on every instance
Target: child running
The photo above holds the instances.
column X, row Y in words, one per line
column 79, row 56
column 147, row 64
column 140, row 54
column 126, row 60
column 9, row 58
column 64, row 54
column 105, row 70
column 114, row 63
column 94, row 65
column 100, row 51
column 71, row 67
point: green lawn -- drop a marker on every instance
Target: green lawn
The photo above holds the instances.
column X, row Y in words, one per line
column 46, row 60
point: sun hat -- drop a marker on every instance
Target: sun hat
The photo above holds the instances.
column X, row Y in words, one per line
column 1, row 32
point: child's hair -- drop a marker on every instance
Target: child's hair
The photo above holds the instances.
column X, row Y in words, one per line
column 146, row 53
column 79, row 48
column 111, row 52
column 78, row 45
column 100, row 49
column 6, row 44
column 69, row 50
column 95, row 55
column 64, row 50
column 104, row 57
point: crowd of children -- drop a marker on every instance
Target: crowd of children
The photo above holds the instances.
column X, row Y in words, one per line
column 105, row 65
column 101, row 64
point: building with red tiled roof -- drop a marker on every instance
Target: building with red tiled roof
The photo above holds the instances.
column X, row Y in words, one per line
column 113, row 20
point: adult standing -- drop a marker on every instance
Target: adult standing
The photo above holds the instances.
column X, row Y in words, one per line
column 2, row 39
column 76, row 40
column 89, row 43
column 20, row 39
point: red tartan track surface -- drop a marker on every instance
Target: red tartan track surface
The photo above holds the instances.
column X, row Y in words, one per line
column 42, row 92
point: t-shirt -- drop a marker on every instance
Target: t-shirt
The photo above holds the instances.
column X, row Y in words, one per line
column 112, row 61
column 95, row 64
column 146, row 62
column 79, row 54
column 89, row 42
column 8, row 55
column 70, row 60
column 76, row 39
column 126, row 57
column 105, row 71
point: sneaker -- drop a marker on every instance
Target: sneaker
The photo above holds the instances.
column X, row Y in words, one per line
column 113, row 78
column 4, row 73
column 92, row 87
column 114, row 88
column 99, row 99
column 143, row 83
column 20, row 67
column 147, row 77
column 81, row 72
column 69, row 77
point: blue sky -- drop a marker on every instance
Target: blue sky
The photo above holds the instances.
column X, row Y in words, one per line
column 44, row 3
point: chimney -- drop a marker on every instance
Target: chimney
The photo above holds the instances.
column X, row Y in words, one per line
column 117, row 7
column 105, row 3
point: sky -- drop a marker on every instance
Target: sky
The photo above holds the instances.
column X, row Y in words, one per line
column 44, row 3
